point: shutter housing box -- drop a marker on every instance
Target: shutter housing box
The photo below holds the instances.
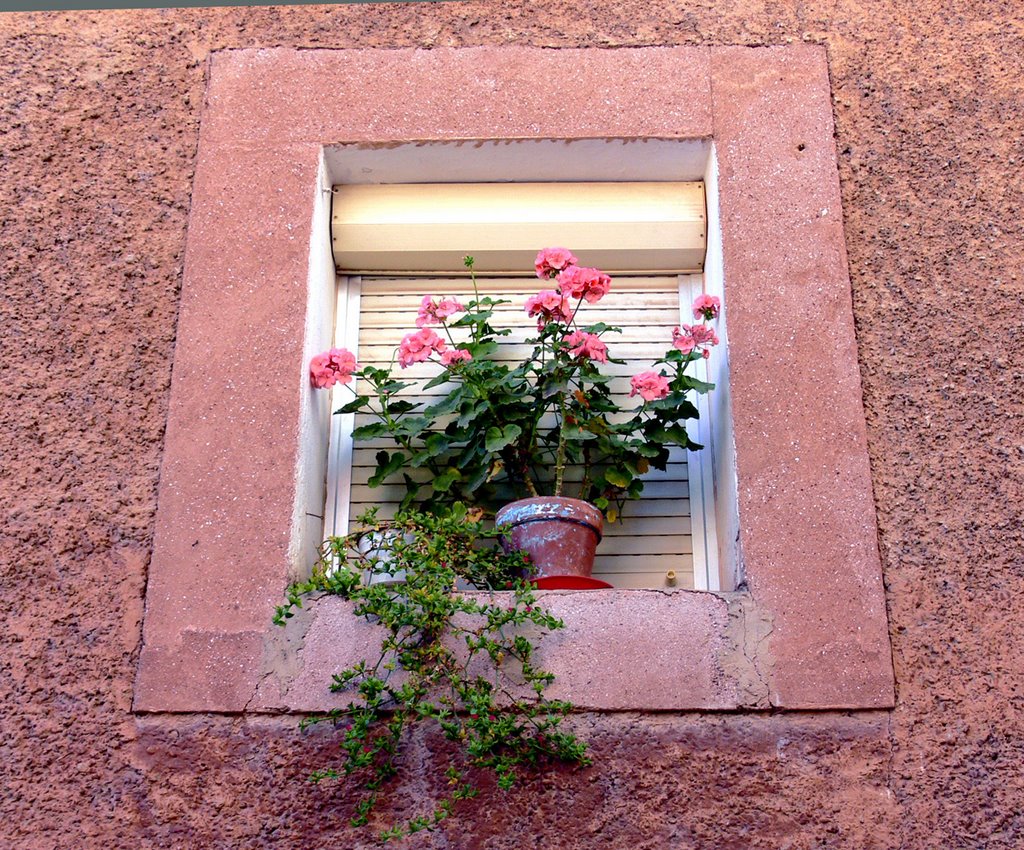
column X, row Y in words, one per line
column 410, row 228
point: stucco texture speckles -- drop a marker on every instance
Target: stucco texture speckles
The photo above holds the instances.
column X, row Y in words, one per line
column 97, row 154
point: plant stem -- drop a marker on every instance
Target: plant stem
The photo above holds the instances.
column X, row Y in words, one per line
column 560, row 454
column 476, row 302
column 585, row 484
column 529, row 484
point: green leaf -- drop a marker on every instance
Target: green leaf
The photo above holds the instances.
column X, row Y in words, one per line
column 675, row 434
column 495, row 440
column 477, row 319
column 436, row 444
column 699, row 386
column 600, row 328
column 386, row 465
column 553, row 388
column 413, row 426
column 418, row 459
column 618, row 477
column 368, row 432
column 392, row 387
column 444, row 481
column 356, row 404
column 446, row 405
column 436, row 381
column 474, row 480
column 397, row 408
column 470, row 413
column 481, row 350
column 411, row 487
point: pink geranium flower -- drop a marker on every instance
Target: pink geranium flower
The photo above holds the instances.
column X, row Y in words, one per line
column 683, row 340
column 548, row 306
column 550, row 261
column 690, row 337
column 650, row 386
column 332, row 367
column 580, row 282
column 588, row 346
column 703, row 335
column 432, row 312
column 418, row 346
column 706, row 307
column 455, row 355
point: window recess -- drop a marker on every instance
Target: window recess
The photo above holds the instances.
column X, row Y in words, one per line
column 628, row 230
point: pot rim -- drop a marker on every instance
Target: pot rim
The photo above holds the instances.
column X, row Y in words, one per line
column 546, row 508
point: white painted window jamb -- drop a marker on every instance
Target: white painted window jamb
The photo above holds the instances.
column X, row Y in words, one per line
column 339, row 462
column 700, row 464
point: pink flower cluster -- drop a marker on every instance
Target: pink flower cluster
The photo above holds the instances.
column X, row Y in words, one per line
column 699, row 337
column 417, row 347
column 549, row 306
column 650, row 386
column 455, row 355
column 550, row 261
column 434, row 312
column 587, row 346
column 691, row 337
column 332, row 367
column 579, row 282
column 574, row 282
column 706, row 307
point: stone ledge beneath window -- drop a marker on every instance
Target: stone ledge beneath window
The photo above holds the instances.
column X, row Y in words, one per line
column 237, row 485
column 605, row 659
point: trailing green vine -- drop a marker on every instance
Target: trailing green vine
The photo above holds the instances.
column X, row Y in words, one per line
column 461, row 661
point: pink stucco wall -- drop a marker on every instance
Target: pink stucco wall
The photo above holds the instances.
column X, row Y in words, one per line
column 97, row 160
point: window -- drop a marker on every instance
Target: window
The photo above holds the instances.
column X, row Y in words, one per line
column 241, row 490
column 402, row 227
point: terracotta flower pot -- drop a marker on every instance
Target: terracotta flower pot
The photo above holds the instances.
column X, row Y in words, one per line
column 560, row 536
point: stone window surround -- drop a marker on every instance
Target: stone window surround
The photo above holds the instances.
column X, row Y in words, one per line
column 808, row 631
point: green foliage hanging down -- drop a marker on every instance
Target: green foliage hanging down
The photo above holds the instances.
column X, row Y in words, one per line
column 462, row 662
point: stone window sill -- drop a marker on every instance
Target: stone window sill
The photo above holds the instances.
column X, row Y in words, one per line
column 238, row 481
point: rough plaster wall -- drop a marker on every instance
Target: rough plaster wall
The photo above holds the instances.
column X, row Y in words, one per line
column 97, row 140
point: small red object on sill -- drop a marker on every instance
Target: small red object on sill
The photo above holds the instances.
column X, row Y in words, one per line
column 569, row 583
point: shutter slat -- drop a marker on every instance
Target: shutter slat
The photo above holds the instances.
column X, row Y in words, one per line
column 642, row 544
column 645, row 579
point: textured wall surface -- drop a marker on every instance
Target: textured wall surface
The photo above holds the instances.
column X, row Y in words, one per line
column 98, row 133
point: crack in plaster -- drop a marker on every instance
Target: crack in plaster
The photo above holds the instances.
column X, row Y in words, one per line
column 255, row 691
column 282, row 655
column 749, row 628
column 890, row 765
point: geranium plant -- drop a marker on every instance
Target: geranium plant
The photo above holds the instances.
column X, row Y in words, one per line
column 507, row 431
column 462, row 663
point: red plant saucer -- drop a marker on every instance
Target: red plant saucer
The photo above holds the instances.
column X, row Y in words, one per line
column 569, row 583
